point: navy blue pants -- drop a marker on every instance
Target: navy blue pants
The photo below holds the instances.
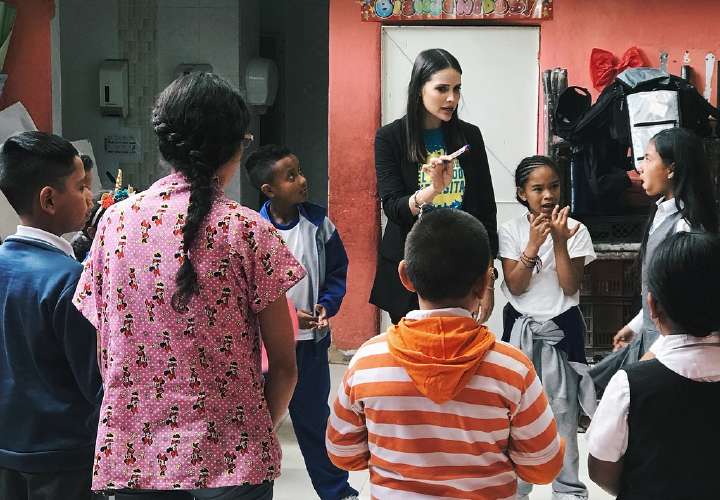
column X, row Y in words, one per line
column 262, row 491
column 309, row 412
column 75, row 484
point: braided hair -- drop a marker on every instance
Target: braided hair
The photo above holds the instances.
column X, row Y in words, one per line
column 200, row 121
column 525, row 168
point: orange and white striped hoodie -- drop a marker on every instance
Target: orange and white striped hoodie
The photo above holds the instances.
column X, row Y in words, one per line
column 436, row 408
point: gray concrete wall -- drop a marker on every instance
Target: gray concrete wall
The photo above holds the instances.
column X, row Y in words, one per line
column 88, row 35
column 304, row 72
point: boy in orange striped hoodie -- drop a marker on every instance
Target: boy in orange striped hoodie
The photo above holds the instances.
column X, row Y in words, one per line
column 436, row 407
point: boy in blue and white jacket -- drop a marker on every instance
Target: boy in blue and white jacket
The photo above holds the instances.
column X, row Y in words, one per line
column 315, row 243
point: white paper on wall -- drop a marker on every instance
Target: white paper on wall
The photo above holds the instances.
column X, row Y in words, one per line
column 84, row 147
column 13, row 120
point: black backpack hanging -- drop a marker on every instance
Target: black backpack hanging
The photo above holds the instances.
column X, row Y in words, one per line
column 601, row 135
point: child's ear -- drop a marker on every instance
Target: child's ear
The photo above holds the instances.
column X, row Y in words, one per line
column 521, row 194
column 267, row 190
column 656, row 312
column 481, row 285
column 46, row 197
column 653, row 305
column 404, row 278
column 671, row 171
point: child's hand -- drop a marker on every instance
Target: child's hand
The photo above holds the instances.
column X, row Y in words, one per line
column 440, row 171
column 306, row 320
column 559, row 226
column 321, row 317
column 539, row 229
column 622, row 338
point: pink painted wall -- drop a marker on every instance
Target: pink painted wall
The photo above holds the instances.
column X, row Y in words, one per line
column 354, row 105
column 28, row 63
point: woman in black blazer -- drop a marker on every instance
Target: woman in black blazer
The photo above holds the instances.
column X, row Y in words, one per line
column 414, row 172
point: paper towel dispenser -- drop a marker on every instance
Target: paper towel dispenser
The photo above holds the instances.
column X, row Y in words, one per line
column 114, row 87
column 261, row 81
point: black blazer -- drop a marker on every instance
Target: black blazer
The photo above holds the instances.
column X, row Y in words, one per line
column 397, row 180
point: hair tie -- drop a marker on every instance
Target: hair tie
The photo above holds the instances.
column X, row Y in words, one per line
column 161, row 127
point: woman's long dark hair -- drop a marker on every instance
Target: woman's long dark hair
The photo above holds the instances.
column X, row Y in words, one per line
column 200, row 121
column 427, row 63
column 692, row 183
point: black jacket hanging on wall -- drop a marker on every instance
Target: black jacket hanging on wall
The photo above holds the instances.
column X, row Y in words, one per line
column 601, row 135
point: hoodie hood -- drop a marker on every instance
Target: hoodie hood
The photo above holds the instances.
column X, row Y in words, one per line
column 439, row 353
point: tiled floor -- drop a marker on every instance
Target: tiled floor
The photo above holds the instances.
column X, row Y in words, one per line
column 294, row 484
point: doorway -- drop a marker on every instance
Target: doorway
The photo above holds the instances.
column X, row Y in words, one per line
column 500, row 95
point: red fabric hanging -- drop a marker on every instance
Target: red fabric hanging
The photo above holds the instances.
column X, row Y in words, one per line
column 604, row 66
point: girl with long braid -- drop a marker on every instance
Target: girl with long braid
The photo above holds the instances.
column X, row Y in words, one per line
column 675, row 171
column 181, row 283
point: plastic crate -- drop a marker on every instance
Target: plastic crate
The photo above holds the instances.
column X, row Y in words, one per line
column 610, row 278
column 615, row 228
column 604, row 316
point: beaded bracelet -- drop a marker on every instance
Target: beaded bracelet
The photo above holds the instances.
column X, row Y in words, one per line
column 415, row 202
column 531, row 262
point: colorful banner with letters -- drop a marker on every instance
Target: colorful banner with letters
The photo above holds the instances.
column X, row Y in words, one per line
column 438, row 10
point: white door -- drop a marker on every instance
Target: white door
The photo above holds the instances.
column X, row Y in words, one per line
column 500, row 84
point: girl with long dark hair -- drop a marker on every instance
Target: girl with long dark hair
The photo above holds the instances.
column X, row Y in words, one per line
column 675, row 171
column 180, row 284
column 651, row 411
column 415, row 173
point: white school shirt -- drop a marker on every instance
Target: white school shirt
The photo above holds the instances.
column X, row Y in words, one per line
column 665, row 209
column 544, row 299
column 33, row 233
column 696, row 358
column 300, row 241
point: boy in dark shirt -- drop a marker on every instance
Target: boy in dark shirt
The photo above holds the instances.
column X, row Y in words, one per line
column 50, row 385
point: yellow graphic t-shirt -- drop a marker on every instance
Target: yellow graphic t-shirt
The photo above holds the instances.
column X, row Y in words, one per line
column 452, row 196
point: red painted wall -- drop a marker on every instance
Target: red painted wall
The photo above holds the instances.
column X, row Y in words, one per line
column 353, row 117
column 28, row 63
column 616, row 25
column 354, row 100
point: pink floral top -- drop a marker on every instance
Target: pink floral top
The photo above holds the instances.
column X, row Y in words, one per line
column 183, row 405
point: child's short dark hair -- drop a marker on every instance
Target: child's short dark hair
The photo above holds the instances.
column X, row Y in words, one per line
column 683, row 278
column 30, row 161
column 446, row 252
column 260, row 163
column 525, row 168
column 87, row 163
